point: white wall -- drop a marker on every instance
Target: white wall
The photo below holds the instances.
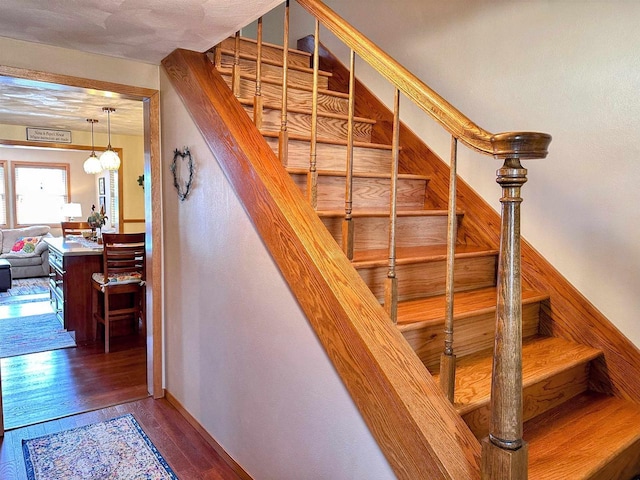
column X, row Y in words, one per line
column 34, row 56
column 240, row 354
column 564, row 67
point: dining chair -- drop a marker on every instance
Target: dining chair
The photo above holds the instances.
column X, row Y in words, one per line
column 74, row 228
column 123, row 272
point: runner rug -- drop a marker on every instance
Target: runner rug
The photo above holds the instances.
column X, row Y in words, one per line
column 35, row 333
column 25, row 290
column 116, row 449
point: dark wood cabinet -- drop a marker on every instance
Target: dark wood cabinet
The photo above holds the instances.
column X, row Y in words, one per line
column 72, row 264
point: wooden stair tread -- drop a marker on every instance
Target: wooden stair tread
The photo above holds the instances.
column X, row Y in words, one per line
column 331, row 141
column 273, row 45
column 422, row 312
column 249, row 102
column 267, row 61
column 290, row 85
column 579, row 438
column 542, row 357
column 342, row 173
column 428, row 253
column 381, row 212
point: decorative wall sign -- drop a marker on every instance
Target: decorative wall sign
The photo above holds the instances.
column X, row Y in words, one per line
column 48, row 135
column 182, row 186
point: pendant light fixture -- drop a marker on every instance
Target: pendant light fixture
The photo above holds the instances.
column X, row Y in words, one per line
column 109, row 159
column 92, row 165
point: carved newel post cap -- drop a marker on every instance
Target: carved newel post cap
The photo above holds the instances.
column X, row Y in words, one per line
column 527, row 145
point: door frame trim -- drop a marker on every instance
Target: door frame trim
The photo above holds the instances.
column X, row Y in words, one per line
column 153, row 199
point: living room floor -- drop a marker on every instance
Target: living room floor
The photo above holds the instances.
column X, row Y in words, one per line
column 43, row 386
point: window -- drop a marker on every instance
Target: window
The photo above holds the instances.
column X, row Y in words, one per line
column 3, row 194
column 40, row 191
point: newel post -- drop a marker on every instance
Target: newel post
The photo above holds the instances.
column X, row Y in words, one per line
column 504, row 452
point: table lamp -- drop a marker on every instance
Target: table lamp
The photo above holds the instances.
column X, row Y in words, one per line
column 71, row 210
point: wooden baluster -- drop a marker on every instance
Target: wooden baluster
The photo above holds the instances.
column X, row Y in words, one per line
column 283, row 139
column 504, row 452
column 257, row 98
column 312, row 178
column 217, row 56
column 347, row 223
column 448, row 359
column 235, row 70
column 391, row 282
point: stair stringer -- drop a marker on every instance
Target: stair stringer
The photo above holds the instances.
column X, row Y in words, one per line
column 567, row 314
column 415, row 426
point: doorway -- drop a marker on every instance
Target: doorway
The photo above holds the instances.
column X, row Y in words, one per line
column 152, row 198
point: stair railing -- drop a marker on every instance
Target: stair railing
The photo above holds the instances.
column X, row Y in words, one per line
column 391, row 283
column 257, row 98
column 312, row 178
column 448, row 358
column 283, row 139
column 504, row 453
column 235, row 70
column 348, row 223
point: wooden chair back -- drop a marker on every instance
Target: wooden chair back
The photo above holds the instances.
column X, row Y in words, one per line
column 124, row 253
column 75, row 228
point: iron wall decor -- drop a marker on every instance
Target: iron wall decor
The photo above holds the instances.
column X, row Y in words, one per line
column 182, row 187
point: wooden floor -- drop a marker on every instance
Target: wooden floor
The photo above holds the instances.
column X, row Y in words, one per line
column 189, row 456
column 49, row 385
column 52, row 391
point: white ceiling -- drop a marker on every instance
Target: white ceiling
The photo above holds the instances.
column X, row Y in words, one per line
column 142, row 30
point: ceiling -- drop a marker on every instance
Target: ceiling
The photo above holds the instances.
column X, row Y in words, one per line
column 141, row 30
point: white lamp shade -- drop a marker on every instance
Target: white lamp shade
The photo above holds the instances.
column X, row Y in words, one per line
column 109, row 160
column 71, row 210
column 92, row 165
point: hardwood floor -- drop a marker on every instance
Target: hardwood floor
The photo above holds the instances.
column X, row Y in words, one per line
column 52, row 391
column 49, row 385
column 186, row 451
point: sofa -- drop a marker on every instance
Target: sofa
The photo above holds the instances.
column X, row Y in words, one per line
column 25, row 250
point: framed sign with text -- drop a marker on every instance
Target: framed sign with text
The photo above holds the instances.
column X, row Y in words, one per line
column 48, row 135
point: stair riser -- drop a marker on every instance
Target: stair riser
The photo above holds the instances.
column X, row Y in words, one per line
column 372, row 233
column 334, row 157
column 272, row 94
column 371, row 192
column 300, row 123
column 537, row 398
column 268, row 52
column 471, row 334
column 427, row 279
column 274, row 73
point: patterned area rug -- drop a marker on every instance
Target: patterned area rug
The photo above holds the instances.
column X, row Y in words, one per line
column 116, row 449
column 25, row 290
column 36, row 333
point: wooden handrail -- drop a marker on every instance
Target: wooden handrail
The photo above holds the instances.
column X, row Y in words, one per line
column 519, row 144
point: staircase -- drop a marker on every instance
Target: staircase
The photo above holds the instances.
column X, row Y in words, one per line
column 572, row 430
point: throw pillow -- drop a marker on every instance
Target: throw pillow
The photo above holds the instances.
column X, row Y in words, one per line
column 26, row 245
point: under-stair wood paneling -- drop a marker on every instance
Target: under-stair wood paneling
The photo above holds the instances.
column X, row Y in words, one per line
column 568, row 313
column 418, row 430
